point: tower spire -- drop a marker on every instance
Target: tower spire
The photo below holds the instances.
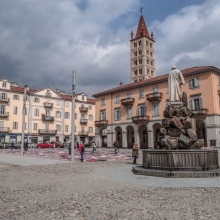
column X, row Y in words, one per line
column 142, row 29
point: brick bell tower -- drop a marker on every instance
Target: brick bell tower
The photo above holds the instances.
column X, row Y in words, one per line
column 142, row 53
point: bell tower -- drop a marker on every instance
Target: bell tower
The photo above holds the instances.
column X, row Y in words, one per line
column 142, row 53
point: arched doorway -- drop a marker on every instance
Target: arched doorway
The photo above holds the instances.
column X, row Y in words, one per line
column 156, row 128
column 130, row 136
column 143, row 137
column 201, row 130
column 103, row 134
column 118, row 132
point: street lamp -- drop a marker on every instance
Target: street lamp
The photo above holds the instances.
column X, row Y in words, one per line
column 73, row 115
column 23, row 119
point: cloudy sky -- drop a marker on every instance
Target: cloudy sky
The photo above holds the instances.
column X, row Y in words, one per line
column 41, row 42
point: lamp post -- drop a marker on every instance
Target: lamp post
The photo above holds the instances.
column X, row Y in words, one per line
column 23, row 119
column 73, row 115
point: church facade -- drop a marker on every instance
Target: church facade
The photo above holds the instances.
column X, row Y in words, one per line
column 134, row 112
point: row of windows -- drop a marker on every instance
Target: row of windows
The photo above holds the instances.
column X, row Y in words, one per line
column 139, row 43
column 140, row 72
column 128, row 95
column 58, row 127
column 139, row 52
column 141, row 111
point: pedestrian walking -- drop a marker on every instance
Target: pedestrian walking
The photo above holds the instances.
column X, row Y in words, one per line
column 26, row 146
column 115, row 146
column 12, row 145
column 81, row 150
column 135, row 152
column 93, row 147
column 69, row 147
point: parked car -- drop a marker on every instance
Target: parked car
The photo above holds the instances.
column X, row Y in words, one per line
column 57, row 144
column 5, row 145
column 45, row 145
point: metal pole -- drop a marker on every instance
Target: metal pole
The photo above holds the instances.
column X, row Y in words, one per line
column 73, row 115
column 23, row 119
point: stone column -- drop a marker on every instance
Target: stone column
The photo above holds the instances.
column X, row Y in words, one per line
column 124, row 140
column 110, row 139
column 150, row 139
column 98, row 140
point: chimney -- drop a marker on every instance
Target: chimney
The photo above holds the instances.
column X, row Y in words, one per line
column 132, row 35
column 57, row 90
column 152, row 35
column 121, row 83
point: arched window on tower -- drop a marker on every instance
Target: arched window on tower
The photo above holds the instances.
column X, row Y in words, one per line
column 140, row 71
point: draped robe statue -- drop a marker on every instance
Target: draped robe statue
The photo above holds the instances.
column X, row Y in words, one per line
column 175, row 80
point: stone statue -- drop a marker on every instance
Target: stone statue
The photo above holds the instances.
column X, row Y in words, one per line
column 175, row 80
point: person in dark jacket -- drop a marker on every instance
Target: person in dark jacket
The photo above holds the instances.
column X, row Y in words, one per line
column 26, row 146
column 115, row 146
column 12, row 145
column 135, row 152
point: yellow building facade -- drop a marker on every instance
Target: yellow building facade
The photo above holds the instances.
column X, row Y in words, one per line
column 134, row 112
column 48, row 115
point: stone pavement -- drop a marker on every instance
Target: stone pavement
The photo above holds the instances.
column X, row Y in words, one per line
column 28, row 161
column 124, row 174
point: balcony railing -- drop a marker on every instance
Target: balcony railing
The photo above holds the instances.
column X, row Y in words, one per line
column 140, row 119
column 83, row 109
column 152, row 97
column 200, row 112
column 83, row 121
column 4, row 100
column 101, row 123
column 47, row 118
column 48, row 105
column 4, row 114
column 47, row 131
column 4, row 130
column 83, row 133
column 127, row 101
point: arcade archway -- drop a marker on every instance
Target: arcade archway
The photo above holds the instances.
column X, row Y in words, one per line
column 130, row 136
column 143, row 137
column 118, row 132
column 156, row 128
column 201, row 130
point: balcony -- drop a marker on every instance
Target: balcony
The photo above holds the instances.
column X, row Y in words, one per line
column 4, row 100
column 152, row 97
column 83, row 121
column 83, row 133
column 48, row 105
column 4, row 130
column 47, row 118
column 47, row 131
column 200, row 112
column 83, row 109
column 127, row 101
column 101, row 123
column 4, row 114
column 140, row 119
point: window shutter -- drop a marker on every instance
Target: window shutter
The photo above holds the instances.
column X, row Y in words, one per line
column 115, row 115
column 120, row 113
column 158, row 109
column 145, row 110
column 190, row 83
column 200, row 103
column 196, row 82
column 104, row 116
column 191, row 104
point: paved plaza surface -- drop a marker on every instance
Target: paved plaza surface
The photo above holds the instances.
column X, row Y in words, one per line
column 99, row 190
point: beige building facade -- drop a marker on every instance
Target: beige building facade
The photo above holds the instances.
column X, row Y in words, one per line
column 134, row 112
column 48, row 115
